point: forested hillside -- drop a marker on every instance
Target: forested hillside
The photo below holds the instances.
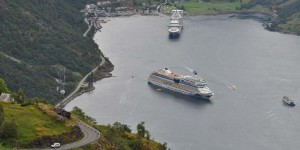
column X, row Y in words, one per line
column 287, row 12
column 40, row 37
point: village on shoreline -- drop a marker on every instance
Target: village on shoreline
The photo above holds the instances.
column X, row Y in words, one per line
column 98, row 13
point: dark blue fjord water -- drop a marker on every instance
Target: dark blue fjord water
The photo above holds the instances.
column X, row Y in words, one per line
column 248, row 68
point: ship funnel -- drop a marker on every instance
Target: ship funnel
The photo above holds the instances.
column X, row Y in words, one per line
column 195, row 73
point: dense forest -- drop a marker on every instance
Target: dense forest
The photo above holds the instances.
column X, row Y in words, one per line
column 38, row 39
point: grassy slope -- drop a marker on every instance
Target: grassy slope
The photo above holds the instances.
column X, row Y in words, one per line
column 122, row 140
column 112, row 140
column 209, row 8
column 260, row 8
column 33, row 122
column 128, row 139
column 291, row 25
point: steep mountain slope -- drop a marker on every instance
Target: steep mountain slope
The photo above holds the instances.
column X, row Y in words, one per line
column 40, row 37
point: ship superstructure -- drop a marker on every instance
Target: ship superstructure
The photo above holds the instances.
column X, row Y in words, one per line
column 185, row 84
column 175, row 24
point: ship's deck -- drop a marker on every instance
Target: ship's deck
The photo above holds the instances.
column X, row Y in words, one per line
column 170, row 74
column 185, row 78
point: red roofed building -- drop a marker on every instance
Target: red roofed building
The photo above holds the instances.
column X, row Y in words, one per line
column 131, row 8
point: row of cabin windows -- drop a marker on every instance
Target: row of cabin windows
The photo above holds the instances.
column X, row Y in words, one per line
column 175, row 80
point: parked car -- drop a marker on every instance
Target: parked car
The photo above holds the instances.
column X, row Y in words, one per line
column 55, row 145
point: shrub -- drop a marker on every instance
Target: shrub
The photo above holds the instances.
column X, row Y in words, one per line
column 8, row 129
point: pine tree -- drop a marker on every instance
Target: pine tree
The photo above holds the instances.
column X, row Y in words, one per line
column 1, row 114
column 141, row 131
column 8, row 129
column 20, row 97
column 3, row 87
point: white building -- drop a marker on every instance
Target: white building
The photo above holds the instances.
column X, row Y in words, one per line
column 6, row 97
column 91, row 6
column 104, row 3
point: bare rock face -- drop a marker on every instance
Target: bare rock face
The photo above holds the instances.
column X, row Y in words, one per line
column 3, row 6
column 74, row 135
column 62, row 112
column 60, row 118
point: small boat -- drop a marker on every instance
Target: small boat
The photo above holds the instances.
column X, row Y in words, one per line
column 288, row 101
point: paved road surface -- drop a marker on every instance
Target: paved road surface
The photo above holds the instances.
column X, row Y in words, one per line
column 90, row 135
column 67, row 99
column 87, row 31
column 89, row 28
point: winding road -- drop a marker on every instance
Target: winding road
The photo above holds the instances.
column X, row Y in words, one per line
column 90, row 135
column 89, row 28
column 67, row 99
column 87, row 31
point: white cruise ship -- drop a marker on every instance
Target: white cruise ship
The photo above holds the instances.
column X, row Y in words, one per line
column 185, row 84
column 176, row 24
column 175, row 27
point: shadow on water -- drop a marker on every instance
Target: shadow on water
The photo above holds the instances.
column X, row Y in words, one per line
column 174, row 37
column 178, row 97
column 287, row 105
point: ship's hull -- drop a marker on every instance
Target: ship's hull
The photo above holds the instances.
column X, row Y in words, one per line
column 175, row 28
column 288, row 101
column 169, row 86
column 174, row 33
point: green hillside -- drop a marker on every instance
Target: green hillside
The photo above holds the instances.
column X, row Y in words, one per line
column 195, row 8
column 39, row 37
column 286, row 12
column 117, row 139
column 32, row 122
column 112, row 139
column 119, row 136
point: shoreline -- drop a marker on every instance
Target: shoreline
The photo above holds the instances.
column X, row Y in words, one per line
column 107, row 73
column 270, row 25
column 250, row 15
column 78, row 90
column 82, row 91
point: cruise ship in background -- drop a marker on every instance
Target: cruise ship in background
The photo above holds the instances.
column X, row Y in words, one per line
column 175, row 24
column 184, row 84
